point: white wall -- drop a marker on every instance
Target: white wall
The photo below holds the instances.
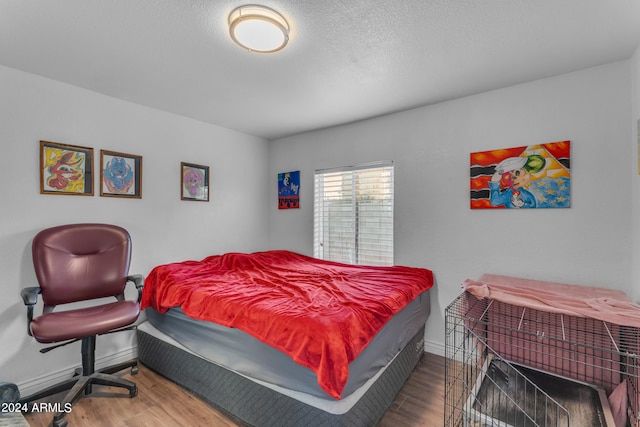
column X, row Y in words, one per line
column 588, row 244
column 635, row 169
column 163, row 228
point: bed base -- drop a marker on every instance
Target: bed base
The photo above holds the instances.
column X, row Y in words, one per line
column 257, row 405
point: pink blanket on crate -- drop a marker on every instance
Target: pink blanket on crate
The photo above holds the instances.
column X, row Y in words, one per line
column 608, row 305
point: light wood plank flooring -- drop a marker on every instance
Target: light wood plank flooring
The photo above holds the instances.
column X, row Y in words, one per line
column 162, row 403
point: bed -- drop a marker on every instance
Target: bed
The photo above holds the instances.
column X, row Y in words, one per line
column 279, row 338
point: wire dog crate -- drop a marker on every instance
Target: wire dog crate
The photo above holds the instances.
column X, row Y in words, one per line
column 508, row 365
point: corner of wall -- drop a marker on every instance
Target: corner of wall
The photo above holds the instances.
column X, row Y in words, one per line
column 635, row 108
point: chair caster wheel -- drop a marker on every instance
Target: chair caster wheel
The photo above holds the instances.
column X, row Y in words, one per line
column 134, row 370
column 133, row 393
column 60, row 423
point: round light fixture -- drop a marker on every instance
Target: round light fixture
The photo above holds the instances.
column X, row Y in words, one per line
column 258, row 28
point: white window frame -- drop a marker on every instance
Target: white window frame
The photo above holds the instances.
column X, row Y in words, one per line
column 361, row 229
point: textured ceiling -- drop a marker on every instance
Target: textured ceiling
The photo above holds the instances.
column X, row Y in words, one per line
column 346, row 60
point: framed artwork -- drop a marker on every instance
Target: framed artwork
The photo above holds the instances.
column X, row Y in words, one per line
column 194, row 182
column 66, row 169
column 120, row 175
column 289, row 190
column 535, row 176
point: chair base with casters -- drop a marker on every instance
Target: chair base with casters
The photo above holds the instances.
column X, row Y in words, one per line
column 73, row 263
column 81, row 384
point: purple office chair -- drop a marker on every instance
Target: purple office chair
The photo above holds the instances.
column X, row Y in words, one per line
column 82, row 262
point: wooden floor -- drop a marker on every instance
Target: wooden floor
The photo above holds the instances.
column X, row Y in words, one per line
column 162, row 403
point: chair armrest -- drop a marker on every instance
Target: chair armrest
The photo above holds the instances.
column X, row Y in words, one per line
column 30, row 298
column 30, row 295
column 138, row 280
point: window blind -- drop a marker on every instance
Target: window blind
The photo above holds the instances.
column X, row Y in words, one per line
column 353, row 214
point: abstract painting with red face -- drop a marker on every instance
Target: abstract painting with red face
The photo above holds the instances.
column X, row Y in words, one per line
column 534, row 176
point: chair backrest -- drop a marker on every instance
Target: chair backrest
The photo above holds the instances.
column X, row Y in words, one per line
column 79, row 262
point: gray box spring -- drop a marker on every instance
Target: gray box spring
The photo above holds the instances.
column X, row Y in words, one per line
column 260, row 406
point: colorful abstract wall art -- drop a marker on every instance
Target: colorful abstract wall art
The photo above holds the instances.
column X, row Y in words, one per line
column 289, row 190
column 194, row 182
column 65, row 169
column 120, row 174
column 535, row 176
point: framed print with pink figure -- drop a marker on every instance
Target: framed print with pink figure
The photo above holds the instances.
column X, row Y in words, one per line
column 194, row 182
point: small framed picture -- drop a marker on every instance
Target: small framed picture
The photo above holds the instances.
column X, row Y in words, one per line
column 120, row 175
column 66, row 169
column 194, row 182
column 289, row 190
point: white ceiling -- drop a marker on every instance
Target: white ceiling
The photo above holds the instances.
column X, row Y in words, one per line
column 347, row 60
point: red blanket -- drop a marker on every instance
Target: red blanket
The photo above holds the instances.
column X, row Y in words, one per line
column 321, row 313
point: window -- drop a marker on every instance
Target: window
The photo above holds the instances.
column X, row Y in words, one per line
column 353, row 214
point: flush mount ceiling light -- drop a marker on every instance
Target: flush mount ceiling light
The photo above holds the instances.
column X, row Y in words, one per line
column 258, row 28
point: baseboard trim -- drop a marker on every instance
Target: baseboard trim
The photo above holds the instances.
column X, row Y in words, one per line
column 34, row 385
column 434, row 347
